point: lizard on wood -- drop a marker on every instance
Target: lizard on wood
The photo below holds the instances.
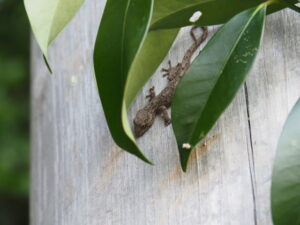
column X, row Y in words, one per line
column 158, row 104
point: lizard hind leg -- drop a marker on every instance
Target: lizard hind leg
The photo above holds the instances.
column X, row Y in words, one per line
column 163, row 111
column 151, row 94
column 167, row 70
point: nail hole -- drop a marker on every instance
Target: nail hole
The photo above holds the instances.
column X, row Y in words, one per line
column 73, row 80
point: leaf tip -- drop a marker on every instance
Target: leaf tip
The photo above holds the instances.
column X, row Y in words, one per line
column 141, row 156
column 184, row 156
column 47, row 64
column 146, row 160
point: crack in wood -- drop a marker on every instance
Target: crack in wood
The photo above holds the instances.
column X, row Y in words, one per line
column 251, row 155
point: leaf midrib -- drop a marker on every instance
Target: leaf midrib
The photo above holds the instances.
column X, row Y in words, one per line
column 51, row 25
column 123, row 39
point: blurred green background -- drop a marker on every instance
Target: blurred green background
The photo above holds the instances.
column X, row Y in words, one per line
column 14, row 113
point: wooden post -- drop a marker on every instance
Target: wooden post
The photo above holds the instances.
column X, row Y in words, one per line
column 80, row 177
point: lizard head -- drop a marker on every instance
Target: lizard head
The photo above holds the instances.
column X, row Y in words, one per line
column 143, row 121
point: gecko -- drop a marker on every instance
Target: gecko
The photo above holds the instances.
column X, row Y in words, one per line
column 158, row 104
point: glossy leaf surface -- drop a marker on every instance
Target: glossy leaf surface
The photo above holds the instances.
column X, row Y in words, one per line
column 285, row 192
column 122, row 31
column 49, row 17
column 176, row 13
column 214, row 78
column 153, row 51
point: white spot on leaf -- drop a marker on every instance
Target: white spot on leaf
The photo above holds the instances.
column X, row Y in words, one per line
column 195, row 17
column 186, row 146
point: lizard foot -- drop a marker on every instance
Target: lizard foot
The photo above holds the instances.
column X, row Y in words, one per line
column 151, row 94
column 171, row 72
column 167, row 71
column 163, row 110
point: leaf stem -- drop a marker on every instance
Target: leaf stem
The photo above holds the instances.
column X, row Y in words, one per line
column 270, row 2
column 286, row 3
column 292, row 7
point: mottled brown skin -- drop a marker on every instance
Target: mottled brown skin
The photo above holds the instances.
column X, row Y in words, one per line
column 158, row 104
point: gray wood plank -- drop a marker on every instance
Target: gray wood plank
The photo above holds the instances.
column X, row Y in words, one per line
column 273, row 89
column 79, row 176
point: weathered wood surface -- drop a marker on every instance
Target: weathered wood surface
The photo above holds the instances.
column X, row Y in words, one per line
column 80, row 177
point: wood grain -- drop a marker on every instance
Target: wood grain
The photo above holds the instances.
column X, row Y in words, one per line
column 80, row 177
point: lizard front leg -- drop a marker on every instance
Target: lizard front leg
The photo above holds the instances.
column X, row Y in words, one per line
column 171, row 72
column 151, row 94
column 163, row 111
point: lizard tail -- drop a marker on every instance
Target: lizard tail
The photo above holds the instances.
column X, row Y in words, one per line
column 201, row 39
column 197, row 42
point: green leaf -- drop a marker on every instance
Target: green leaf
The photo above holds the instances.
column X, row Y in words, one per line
column 285, row 192
column 49, row 17
column 153, row 51
column 176, row 13
column 214, row 78
column 290, row 4
column 122, row 31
